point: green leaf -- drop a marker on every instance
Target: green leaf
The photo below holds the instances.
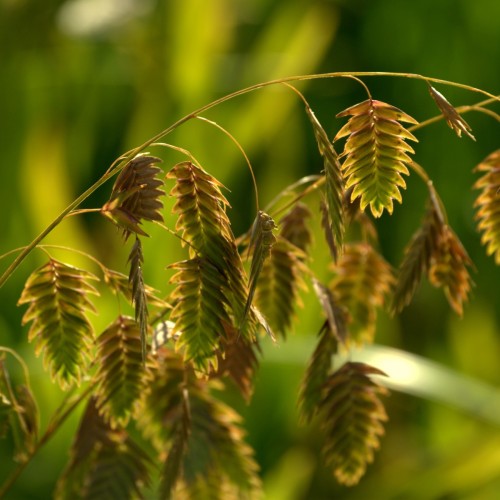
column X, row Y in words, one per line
column 376, row 154
column 57, row 295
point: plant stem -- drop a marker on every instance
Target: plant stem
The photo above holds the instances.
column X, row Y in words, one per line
column 240, row 147
column 20, row 361
column 461, row 110
column 50, row 431
column 122, row 161
column 26, row 251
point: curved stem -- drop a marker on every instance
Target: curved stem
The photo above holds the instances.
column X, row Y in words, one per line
column 363, row 84
column 437, row 203
column 299, row 93
column 240, row 147
column 420, row 172
column 309, row 189
column 83, row 211
column 120, row 163
column 10, row 252
column 20, row 361
column 75, row 250
column 309, row 179
column 460, row 110
column 177, row 235
column 27, row 249
column 185, row 152
column 488, row 112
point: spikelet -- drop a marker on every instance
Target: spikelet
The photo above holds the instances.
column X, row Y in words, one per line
column 450, row 114
column 352, row 417
column 364, row 280
column 449, row 269
column 139, row 293
column 375, row 154
column 436, row 251
column 317, row 372
column 199, row 438
column 334, row 185
column 58, row 298
column 417, row 257
column 120, row 372
column 136, row 196
column 104, row 462
column 488, row 204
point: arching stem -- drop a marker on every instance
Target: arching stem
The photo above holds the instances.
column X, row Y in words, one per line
column 120, row 163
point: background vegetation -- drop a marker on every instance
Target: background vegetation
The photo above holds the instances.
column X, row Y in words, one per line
column 82, row 81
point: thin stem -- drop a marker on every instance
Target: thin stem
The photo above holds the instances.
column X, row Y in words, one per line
column 79, row 252
column 299, row 93
column 361, row 82
column 488, row 112
column 433, row 194
column 159, row 315
column 420, row 172
column 83, row 211
column 10, row 252
column 461, row 110
column 177, row 235
column 291, row 188
column 240, row 147
column 309, row 189
column 314, row 181
column 27, row 250
column 435, row 199
column 20, row 361
column 437, row 203
column 178, row 149
column 120, row 163
column 52, row 428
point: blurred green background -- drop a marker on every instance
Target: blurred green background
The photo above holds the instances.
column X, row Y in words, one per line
column 82, row 81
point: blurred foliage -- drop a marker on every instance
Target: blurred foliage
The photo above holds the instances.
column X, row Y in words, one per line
column 82, row 81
